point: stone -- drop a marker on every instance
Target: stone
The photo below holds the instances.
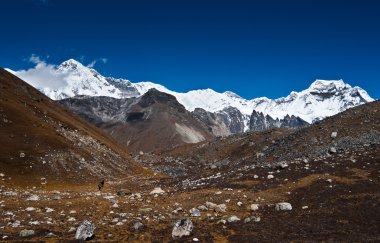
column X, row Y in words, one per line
column 138, row 226
column 202, row 208
column 233, row 219
column 33, row 198
column 334, row 134
column 255, row 219
column 123, row 192
column 332, row 150
column 195, row 212
column 239, row 204
column 254, row 207
column 210, row 205
column 182, row 227
column 85, row 230
column 222, row 221
column 16, row 224
column 26, row 233
column 270, row 176
column 71, row 219
column 50, row 235
column 221, row 208
column 157, row 190
column 145, row 210
column 22, row 155
column 72, row 229
column 247, row 220
column 283, row 206
column 217, row 208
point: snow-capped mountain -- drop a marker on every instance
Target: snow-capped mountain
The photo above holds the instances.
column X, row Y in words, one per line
column 322, row 99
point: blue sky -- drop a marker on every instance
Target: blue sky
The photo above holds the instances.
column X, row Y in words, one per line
column 253, row 48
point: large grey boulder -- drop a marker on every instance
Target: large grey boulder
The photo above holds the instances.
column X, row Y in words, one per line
column 85, row 230
column 182, row 227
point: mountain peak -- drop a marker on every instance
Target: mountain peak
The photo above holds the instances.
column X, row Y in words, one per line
column 328, row 85
column 71, row 64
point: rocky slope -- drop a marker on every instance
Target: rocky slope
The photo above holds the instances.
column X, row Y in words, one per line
column 40, row 139
column 141, row 123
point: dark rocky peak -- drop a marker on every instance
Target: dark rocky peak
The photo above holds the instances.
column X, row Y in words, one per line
column 153, row 96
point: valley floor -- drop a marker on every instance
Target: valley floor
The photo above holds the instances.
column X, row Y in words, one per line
column 335, row 198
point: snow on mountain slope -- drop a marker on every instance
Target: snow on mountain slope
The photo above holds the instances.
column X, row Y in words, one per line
column 323, row 98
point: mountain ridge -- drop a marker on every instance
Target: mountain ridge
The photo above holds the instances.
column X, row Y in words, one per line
column 323, row 98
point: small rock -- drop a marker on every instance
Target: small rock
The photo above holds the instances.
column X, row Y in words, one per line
column 256, row 219
column 239, row 204
column 49, row 210
column 123, row 193
column 26, row 233
column 254, row 207
column 72, row 229
column 182, row 227
column 195, row 239
column 33, row 198
column 22, row 155
column 50, row 235
column 138, row 226
column 283, row 206
column 157, row 190
column 270, row 176
column 255, row 176
column 85, row 230
column 145, row 210
column 332, row 150
column 16, row 224
column 305, row 207
column 233, row 219
column 71, row 219
column 202, row 208
column 247, row 220
column 222, row 221
column 195, row 212
column 29, row 209
column 221, row 208
column 334, row 134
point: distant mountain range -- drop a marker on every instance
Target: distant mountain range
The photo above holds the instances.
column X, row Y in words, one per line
column 208, row 113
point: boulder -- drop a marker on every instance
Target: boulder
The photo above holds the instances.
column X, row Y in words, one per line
column 85, row 230
column 182, row 227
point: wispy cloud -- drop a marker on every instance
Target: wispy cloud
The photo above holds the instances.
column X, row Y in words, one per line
column 92, row 64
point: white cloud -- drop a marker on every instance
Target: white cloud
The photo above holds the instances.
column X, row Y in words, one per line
column 43, row 75
column 92, row 64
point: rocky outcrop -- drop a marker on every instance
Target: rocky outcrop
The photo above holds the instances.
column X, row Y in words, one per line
column 259, row 121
